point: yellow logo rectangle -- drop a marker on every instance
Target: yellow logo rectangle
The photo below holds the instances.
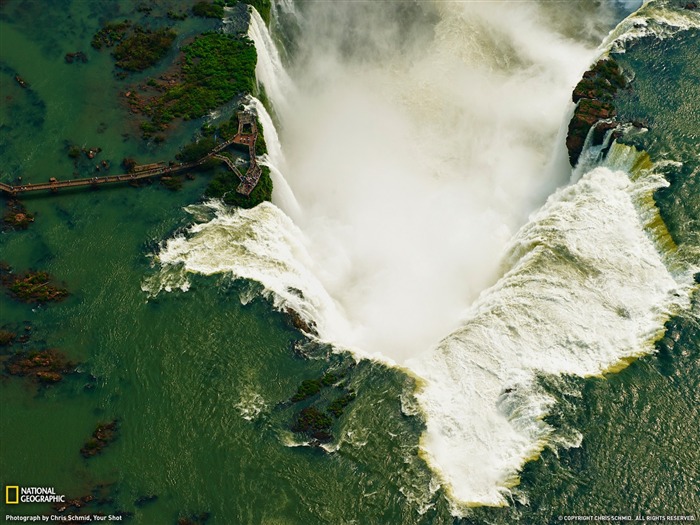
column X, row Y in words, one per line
column 9, row 490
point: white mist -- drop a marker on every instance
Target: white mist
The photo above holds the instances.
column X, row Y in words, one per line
column 415, row 162
column 415, row 147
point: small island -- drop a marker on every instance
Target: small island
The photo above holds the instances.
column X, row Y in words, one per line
column 31, row 286
column 104, row 434
column 45, row 366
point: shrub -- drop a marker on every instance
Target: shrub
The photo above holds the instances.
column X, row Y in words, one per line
column 338, row 405
column 307, row 388
column 224, row 185
column 196, row 150
column 313, row 422
column 144, row 48
column 207, row 10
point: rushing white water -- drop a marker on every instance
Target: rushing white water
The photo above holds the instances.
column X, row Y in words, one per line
column 269, row 69
column 409, row 189
column 283, row 195
column 261, row 244
column 415, row 152
column 658, row 18
column 586, row 288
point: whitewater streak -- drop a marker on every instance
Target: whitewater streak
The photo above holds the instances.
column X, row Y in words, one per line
column 582, row 285
column 586, row 288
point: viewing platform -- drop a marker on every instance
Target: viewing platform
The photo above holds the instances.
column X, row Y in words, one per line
column 156, row 169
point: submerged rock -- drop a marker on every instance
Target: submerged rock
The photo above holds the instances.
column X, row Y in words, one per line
column 196, row 519
column 104, row 434
column 145, row 500
column 46, row 366
column 74, row 503
column 16, row 217
column 32, row 286
column 23, row 83
column 78, row 56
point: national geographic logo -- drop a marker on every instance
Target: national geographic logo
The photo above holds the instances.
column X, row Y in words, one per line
column 11, row 495
column 15, row 494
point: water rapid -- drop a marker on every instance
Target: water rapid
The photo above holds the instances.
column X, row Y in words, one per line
column 409, row 224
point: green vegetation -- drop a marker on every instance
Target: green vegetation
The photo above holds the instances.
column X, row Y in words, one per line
column 262, row 6
column 307, row 388
column 74, row 151
column 207, row 10
column 601, row 82
column 338, row 405
column 46, row 366
column 230, row 128
column 143, row 48
column 196, row 150
column 215, row 69
column 7, row 338
column 310, row 387
column 137, row 48
column 313, row 422
column 330, row 378
column 224, row 185
column 173, row 183
column 110, row 34
column 32, row 286
column 260, row 146
column 172, row 15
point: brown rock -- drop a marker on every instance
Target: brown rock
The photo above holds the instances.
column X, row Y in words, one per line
column 103, row 435
column 46, row 366
column 299, row 323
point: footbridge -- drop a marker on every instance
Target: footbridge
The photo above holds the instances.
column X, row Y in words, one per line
column 145, row 171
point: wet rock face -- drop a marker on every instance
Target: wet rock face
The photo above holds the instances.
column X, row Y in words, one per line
column 594, row 95
column 299, row 323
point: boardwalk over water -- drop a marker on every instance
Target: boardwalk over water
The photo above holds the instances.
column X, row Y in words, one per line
column 248, row 181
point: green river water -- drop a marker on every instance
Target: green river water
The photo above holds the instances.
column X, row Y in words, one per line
column 198, row 380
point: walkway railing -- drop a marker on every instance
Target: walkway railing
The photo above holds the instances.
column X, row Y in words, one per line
column 145, row 171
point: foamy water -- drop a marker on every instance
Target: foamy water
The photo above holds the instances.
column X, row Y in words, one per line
column 586, row 288
column 657, row 19
column 408, row 179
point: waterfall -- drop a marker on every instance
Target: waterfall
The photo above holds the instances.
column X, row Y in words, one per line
column 283, row 196
column 416, row 168
column 586, row 289
column 269, row 71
